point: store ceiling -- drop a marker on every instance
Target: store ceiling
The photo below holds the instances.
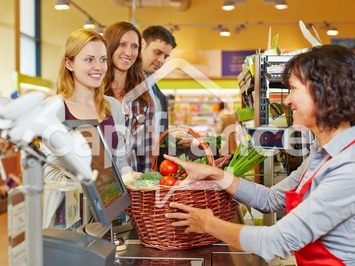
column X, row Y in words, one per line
column 198, row 20
column 180, row 4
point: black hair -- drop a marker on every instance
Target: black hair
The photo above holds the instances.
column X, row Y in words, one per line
column 329, row 72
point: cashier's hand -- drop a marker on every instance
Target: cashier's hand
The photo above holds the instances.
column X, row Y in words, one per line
column 196, row 220
column 196, row 171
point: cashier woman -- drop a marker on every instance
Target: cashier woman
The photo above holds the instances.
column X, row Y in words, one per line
column 319, row 197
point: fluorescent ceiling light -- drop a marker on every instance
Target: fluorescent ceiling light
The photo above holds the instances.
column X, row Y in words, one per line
column 89, row 24
column 280, row 4
column 332, row 32
column 228, row 5
column 224, row 32
column 62, row 5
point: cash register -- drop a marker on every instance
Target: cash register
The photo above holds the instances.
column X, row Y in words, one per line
column 107, row 197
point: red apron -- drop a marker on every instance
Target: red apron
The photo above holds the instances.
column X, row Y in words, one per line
column 316, row 253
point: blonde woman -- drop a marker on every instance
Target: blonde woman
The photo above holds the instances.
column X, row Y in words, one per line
column 83, row 66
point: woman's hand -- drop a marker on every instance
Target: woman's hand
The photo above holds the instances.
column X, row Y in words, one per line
column 196, row 220
column 203, row 221
column 196, row 171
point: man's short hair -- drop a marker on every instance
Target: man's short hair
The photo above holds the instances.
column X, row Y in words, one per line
column 155, row 32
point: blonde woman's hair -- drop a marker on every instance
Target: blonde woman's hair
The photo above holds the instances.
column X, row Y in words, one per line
column 65, row 80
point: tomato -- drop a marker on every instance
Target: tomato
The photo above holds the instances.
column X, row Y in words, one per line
column 168, row 180
column 168, row 168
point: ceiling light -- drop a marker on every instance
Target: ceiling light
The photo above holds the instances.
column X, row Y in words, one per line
column 332, row 32
column 89, row 24
column 224, row 32
column 228, row 5
column 280, row 4
column 62, row 5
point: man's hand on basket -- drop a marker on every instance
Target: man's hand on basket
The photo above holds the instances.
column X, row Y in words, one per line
column 195, row 219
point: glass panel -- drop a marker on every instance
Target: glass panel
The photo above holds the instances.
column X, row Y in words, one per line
column 27, row 17
column 28, row 56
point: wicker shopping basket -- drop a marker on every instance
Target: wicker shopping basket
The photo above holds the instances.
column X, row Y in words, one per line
column 149, row 206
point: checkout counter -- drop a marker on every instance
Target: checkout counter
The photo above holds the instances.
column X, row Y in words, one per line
column 62, row 247
column 212, row 255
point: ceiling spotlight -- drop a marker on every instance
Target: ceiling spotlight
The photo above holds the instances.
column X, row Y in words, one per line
column 280, row 4
column 331, row 30
column 62, row 5
column 228, row 5
column 224, row 32
column 89, row 24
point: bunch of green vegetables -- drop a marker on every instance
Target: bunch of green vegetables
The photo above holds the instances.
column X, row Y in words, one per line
column 245, row 159
column 149, row 179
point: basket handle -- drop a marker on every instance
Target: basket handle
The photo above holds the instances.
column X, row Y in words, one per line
column 189, row 131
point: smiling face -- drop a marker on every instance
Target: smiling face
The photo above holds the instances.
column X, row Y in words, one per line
column 302, row 105
column 127, row 51
column 154, row 55
column 89, row 66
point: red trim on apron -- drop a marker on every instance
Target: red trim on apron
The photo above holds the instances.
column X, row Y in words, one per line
column 314, row 253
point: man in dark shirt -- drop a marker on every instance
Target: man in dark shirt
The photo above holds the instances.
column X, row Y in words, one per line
column 157, row 44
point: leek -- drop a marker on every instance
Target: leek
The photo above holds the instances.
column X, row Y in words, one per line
column 244, row 160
